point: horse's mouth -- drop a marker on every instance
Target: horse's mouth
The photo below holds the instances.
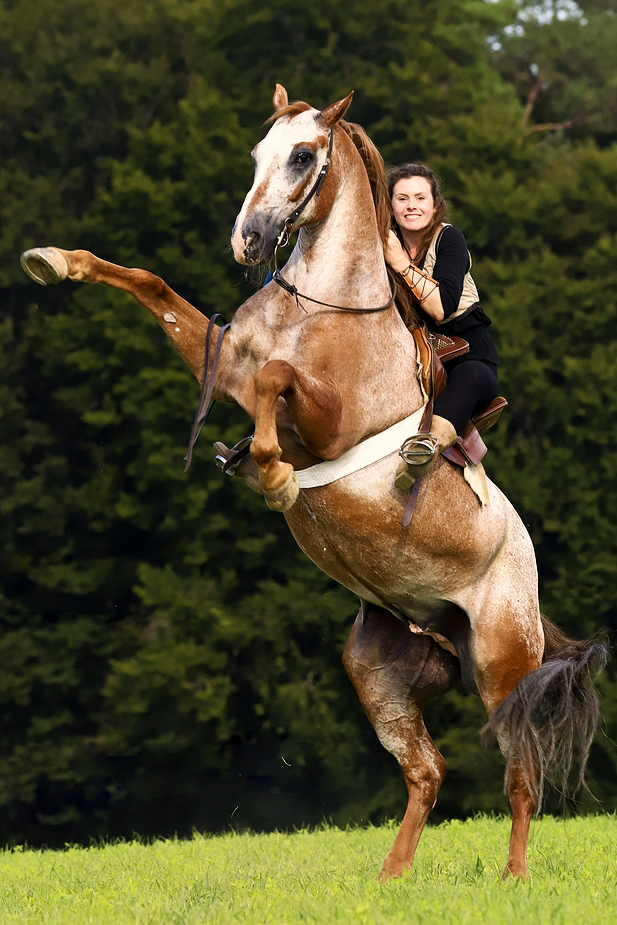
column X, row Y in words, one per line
column 253, row 248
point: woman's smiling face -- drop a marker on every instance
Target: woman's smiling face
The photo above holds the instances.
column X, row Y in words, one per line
column 413, row 204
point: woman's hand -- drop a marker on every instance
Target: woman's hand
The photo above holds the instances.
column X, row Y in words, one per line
column 395, row 255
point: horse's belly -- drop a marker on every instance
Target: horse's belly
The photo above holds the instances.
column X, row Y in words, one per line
column 352, row 530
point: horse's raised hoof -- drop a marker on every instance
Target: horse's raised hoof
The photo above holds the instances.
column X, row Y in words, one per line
column 283, row 498
column 45, row 265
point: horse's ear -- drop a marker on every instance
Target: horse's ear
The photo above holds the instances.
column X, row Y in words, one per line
column 280, row 98
column 335, row 112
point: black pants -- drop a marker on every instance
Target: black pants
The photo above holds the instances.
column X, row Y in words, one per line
column 472, row 385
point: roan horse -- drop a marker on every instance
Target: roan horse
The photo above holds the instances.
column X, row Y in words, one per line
column 317, row 381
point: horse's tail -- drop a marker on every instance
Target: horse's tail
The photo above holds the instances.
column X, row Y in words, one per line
column 551, row 713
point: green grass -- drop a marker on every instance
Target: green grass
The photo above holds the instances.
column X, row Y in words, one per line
column 326, row 876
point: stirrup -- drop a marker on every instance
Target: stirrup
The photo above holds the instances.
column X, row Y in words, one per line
column 227, row 459
column 419, row 450
column 238, row 461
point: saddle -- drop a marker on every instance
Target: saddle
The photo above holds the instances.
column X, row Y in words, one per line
column 433, row 351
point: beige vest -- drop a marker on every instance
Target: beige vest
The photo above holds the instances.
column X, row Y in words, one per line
column 469, row 295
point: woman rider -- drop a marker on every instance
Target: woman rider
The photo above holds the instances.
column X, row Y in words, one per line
column 432, row 257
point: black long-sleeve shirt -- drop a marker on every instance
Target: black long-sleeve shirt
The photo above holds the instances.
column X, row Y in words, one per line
column 451, row 264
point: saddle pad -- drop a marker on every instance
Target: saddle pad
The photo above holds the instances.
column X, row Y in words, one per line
column 364, row 454
column 475, row 476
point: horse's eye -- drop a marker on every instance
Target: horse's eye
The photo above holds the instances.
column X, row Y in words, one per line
column 303, row 157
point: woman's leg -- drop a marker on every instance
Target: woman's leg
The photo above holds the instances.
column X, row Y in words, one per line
column 472, row 385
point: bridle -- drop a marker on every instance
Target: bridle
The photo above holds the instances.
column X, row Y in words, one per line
column 315, row 190
column 283, row 239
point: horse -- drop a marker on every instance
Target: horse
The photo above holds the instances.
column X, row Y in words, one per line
column 323, row 362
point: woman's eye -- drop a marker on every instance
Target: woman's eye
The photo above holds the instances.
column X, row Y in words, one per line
column 303, row 158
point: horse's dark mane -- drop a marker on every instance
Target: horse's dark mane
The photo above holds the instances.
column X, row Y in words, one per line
column 376, row 172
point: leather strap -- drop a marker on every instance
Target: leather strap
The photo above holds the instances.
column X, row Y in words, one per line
column 205, row 399
column 291, row 289
column 469, row 447
column 438, row 382
column 472, row 445
column 411, row 503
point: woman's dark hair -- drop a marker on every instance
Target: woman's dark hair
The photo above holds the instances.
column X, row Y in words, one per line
column 405, row 172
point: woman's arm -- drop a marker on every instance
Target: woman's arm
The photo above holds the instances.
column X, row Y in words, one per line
column 452, row 263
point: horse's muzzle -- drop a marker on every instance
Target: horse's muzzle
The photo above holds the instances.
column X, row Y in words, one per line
column 254, row 244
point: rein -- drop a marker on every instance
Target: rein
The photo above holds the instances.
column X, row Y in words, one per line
column 291, row 289
column 205, row 399
column 283, row 239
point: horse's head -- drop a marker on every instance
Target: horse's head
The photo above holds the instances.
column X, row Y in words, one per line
column 287, row 166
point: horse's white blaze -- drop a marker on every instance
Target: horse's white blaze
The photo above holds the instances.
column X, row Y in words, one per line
column 272, row 184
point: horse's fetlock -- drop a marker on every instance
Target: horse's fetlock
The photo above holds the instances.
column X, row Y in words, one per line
column 265, row 456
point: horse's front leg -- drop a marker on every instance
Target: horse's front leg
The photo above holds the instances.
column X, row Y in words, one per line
column 315, row 409
column 183, row 324
column 277, row 479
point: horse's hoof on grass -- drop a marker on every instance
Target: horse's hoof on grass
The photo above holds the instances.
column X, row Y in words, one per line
column 387, row 873
column 515, row 873
column 45, row 265
column 283, row 498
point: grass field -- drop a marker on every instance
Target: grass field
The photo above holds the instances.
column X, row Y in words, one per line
column 327, row 876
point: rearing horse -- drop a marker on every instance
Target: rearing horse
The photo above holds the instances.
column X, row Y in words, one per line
column 319, row 378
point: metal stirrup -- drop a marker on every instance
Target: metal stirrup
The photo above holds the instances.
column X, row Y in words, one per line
column 420, row 449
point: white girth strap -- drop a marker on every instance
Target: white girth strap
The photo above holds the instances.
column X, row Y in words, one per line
column 364, row 454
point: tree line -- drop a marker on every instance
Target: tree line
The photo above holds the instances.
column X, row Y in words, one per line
column 170, row 659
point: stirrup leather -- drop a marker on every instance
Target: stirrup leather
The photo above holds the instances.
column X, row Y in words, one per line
column 419, row 449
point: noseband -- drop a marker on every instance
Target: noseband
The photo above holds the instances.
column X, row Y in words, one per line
column 283, row 239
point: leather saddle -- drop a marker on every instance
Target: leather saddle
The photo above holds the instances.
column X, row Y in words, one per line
column 433, row 351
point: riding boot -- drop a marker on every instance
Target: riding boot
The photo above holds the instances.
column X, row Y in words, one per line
column 245, row 466
column 419, row 453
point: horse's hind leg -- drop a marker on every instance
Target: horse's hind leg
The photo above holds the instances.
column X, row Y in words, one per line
column 395, row 674
column 183, row 324
column 506, row 650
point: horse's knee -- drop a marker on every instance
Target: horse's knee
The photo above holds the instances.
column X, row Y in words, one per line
column 157, row 287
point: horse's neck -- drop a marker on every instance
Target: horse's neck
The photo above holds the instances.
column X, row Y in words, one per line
column 341, row 259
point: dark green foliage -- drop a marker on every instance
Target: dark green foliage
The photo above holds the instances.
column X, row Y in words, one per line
column 170, row 657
